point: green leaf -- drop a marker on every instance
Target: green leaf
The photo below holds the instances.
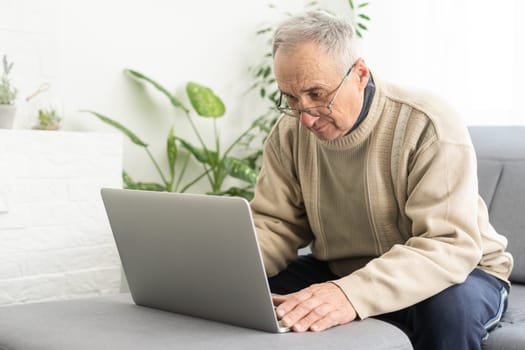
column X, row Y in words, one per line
column 198, row 153
column 363, row 4
column 265, row 124
column 265, row 30
column 203, row 156
column 204, row 101
column 358, row 33
column 351, row 3
column 267, row 72
column 240, row 170
column 365, row 17
column 312, row 3
column 128, row 182
column 171, row 147
column 362, row 26
column 273, row 96
column 150, row 186
column 252, row 159
column 262, row 92
column 145, row 186
column 141, row 78
column 238, row 192
column 134, row 138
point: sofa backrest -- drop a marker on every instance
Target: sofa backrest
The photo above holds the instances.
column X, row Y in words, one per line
column 501, row 171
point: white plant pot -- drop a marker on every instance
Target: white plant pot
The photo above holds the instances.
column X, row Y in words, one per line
column 7, row 116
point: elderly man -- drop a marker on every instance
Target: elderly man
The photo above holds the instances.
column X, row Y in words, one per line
column 381, row 182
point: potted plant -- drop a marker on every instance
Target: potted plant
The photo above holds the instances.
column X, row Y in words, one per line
column 7, row 97
column 48, row 119
column 217, row 163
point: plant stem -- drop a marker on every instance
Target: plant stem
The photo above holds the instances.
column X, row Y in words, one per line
column 228, row 150
column 194, row 181
column 183, row 170
column 218, row 166
column 196, row 131
column 202, row 143
column 166, row 183
column 217, row 137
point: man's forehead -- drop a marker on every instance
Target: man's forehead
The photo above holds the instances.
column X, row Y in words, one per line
column 303, row 86
column 301, row 73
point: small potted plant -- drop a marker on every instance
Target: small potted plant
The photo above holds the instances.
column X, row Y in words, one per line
column 7, row 97
column 48, row 119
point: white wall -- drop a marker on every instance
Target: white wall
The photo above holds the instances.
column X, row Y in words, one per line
column 55, row 241
column 468, row 51
column 471, row 52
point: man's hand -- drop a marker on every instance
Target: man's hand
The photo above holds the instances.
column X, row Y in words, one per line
column 316, row 308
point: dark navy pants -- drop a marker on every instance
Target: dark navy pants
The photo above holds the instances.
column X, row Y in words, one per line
column 458, row 318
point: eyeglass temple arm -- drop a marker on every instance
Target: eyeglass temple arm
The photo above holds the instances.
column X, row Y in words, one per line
column 280, row 100
column 339, row 88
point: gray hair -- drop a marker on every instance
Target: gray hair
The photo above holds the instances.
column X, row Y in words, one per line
column 334, row 35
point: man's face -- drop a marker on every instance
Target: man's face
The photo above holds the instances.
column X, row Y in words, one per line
column 308, row 77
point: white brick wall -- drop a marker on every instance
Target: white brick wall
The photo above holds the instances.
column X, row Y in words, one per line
column 55, row 240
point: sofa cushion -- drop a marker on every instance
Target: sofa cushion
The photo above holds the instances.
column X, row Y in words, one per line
column 489, row 172
column 501, row 169
column 510, row 333
column 116, row 323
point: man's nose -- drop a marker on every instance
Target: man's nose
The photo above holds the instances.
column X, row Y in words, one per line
column 307, row 120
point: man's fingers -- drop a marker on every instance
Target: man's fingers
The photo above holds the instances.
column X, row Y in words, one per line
column 290, row 317
column 331, row 319
column 313, row 316
column 317, row 308
column 290, row 303
column 278, row 299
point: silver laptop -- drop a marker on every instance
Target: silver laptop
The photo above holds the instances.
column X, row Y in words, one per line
column 192, row 254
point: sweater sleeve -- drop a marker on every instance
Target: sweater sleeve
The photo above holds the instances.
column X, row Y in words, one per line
column 445, row 243
column 278, row 208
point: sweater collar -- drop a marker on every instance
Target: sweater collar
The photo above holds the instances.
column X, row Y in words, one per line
column 370, row 114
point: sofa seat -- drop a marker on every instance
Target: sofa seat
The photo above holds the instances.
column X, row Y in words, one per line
column 117, row 323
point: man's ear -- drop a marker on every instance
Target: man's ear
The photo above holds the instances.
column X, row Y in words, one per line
column 362, row 73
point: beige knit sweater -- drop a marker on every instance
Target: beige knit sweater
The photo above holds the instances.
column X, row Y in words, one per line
column 393, row 206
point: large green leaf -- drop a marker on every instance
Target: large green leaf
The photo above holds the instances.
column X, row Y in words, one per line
column 203, row 156
column 134, row 138
column 253, row 158
column 240, row 170
column 128, row 181
column 141, row 77
column 145, row 186
column 171, row 147
column 150, row 186
column 204, row 101
column 238, row 192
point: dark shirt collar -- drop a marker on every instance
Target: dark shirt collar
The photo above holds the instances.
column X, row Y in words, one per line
column 370, row 90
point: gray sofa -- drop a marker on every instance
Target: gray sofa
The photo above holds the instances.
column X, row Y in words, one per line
column 116, row 323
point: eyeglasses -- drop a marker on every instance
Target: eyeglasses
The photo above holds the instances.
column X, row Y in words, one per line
column 317, row 111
